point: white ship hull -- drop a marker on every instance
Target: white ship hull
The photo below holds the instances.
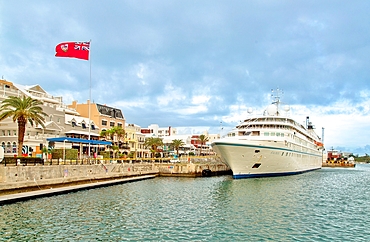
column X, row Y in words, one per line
column 270, row 145
column 256, row 158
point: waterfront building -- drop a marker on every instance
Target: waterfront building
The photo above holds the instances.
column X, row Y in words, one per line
column 135, row 142
column 206, row 148
column 154, row 130
column 35, row 136
column 77, row 126
column 191, row 141
column 186, row 149
column 104, row 116
column 338, row 155
column 72, row 121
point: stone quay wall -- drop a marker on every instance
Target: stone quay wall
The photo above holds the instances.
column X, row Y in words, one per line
column 16, row 177
column 20, row 177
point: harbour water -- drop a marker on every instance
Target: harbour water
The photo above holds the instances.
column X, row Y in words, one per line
column 331, row 204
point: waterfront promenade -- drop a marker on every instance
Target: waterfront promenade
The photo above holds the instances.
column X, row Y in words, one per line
column 22, row 196
column 25, row 182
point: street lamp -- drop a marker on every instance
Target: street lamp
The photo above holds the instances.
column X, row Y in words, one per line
column 64, row 150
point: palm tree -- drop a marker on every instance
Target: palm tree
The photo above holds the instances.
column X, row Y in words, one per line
column 176, row 144
column 22, row 110
column 154, row 143
column 104, row 134
column 203, row 139
column 119, row 132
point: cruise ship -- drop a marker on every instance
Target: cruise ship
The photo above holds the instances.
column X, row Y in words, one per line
column 271, row 144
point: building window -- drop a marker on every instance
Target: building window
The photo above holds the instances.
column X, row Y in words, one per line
column 92, row 126
column 104, row 122
column 8, row 148
column 3, row 132
column 15, row 132
column 111, row 124
column 14, row 147
column 83, row 125
column 73, row 124
column 119, row 125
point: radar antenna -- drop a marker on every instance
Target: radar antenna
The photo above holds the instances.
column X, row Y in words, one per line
column 275, row 95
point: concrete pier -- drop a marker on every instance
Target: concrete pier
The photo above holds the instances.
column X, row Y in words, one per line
column 11, row 198
column 25, row 182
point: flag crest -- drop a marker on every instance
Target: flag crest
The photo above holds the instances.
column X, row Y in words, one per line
column 79, row 50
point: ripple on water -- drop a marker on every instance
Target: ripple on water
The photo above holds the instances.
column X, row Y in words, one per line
column 325, row 205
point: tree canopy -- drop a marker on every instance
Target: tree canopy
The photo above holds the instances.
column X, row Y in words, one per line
column 176, row 144
column 22, row 110
column 154, row 143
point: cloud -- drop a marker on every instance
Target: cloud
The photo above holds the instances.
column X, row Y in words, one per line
column 191, row 63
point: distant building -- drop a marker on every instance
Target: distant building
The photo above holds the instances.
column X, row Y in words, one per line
column 35, row 136
column 104, row 116
column 336, row 155
column 154, row 130
column 191, row 141
column 134, row 140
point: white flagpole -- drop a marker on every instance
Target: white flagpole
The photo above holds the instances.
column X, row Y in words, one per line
column 89, row 99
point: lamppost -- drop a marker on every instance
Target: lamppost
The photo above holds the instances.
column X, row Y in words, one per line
column 64, row 150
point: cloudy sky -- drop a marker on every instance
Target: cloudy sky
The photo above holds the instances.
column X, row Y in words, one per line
column 201, row 64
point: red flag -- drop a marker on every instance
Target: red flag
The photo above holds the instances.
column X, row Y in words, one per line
column 79, row 50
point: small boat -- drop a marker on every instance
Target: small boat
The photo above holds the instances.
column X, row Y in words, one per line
column 340, row 162
column 270, row 145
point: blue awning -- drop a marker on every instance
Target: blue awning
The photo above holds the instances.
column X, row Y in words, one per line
column 77, row 140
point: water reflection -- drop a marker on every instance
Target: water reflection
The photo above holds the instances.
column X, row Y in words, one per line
column 313, row 206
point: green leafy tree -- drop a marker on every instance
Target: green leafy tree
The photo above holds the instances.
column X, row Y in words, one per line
column 119, row 132
column 176, row 144
column 202, row 140
column 46, row 151
column 22, row 110
column 109, row 134
column 154, row 143
column 104, row 134
column 115, row 131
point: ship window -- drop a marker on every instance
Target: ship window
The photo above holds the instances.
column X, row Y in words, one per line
column 277, row 134
column 256, row 151
column 256, row 133
column 266, row 133
column 272, row 133
column 256, row 165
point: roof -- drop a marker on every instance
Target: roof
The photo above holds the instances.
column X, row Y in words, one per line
column 77, row 140
column 81, row 132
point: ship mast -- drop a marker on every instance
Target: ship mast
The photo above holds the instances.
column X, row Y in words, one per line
column 276, row 98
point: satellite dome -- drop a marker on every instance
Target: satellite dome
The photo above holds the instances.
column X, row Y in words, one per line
column 250, row 110
column 286, row 108
column 272, row 110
